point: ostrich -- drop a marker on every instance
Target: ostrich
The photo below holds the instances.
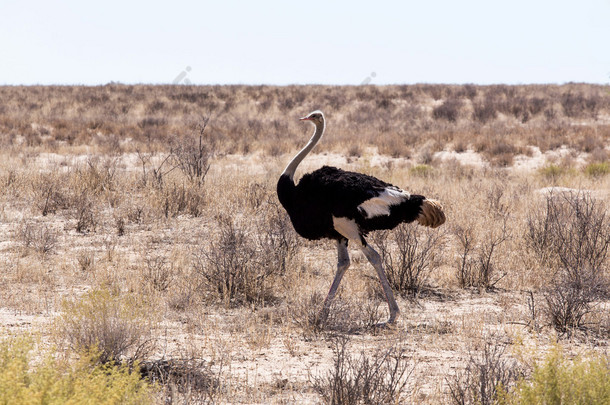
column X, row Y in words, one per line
column 345, row 206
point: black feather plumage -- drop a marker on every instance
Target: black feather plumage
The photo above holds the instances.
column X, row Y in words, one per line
column 331, row 192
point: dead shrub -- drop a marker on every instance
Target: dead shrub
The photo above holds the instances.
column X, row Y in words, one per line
column 449, row 110
column 409, row 254
column 99, row 175
column 119, row 222
column 85, row 214
column 571, row 232
column 501, row 153
column 158, row 273
column 276, row 239
column 184, row 380
column 50, row 195
column 487, row 375
column 155, row 168
column 378, row 378
column 484, row 112
column 577, row 105
column 192, row 155
column 346, row 316
column 233, row 268
column 568, row 305
column 86, row 261
column 39, row 237
column 116, row 325
column 476, row 264
column 570, row 235
column 182, row 199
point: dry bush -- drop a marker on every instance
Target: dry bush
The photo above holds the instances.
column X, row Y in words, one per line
column 487, row 376
column 119, row 222
column 305, row 313
column 476, row 264
column 86, row 261
column 276, row 238
column 449, row 110
column 467, row 275
column 409, row 254
column 240, row 263
column 483, row 234
column 50, row 194
column 346, row 316
column 571, row 231
column 500, row 152
column 183, row 380
column 98, row 176
column 40, row 237
column 116, row 325
column 158, row 273
column 227, row 268
column 580, row 105
column 85, row 213
column 157, row 168
column 378, row 378
column 192, row 154
column 177, row 199
column 484, row 112
column 570, row 234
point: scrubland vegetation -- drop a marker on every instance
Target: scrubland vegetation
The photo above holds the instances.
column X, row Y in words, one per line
column 143, row 249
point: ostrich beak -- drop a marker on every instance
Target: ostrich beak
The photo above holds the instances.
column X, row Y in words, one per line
column 304, row 118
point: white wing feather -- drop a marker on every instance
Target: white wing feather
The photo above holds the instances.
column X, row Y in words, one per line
column 380, row 205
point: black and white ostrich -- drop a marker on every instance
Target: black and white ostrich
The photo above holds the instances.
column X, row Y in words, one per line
column 345, row 206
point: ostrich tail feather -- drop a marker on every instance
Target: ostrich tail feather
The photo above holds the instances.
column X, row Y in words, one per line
column 432, row 214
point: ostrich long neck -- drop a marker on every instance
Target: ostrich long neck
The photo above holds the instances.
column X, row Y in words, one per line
column 294, row 163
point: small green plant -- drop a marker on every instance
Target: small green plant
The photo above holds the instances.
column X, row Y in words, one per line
column 552, row 172
column 558, row 380
column 422, row 170
column 598, row 169
column 56, row 381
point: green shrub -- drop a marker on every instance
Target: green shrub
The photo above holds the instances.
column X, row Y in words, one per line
column 54, row 381
column 598, row 169
column 558, row 380
column 552, row 171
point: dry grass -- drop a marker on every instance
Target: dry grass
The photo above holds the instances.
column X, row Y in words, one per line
column 116, row 188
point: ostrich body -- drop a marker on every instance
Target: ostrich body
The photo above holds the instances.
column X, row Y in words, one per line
column 345, row 206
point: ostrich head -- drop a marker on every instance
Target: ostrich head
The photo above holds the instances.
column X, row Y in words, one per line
column 316, row 117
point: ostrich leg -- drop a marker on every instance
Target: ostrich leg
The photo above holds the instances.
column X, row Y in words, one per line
column 375, row 260
column 342, row 265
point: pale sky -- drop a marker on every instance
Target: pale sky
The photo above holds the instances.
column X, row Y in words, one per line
column 283, row 42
